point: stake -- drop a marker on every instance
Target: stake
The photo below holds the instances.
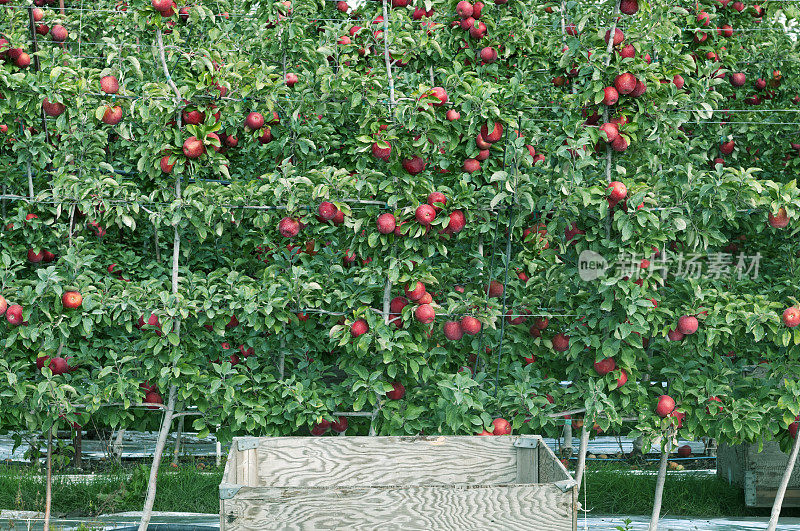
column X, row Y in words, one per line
column 48, row 497
column 77, row 460
column 662, row 476
column 776, row 505
column 31, row 193
column 219, row 453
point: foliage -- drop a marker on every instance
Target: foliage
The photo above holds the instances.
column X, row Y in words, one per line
column 102, row 199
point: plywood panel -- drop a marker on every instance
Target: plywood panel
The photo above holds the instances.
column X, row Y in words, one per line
column 385, row 461
column 510, row 507
column 550, row 468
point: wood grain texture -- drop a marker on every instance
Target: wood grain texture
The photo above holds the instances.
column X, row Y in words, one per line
column 527, row 465
column 385, row 461
column 550, row 467
column 509, row 507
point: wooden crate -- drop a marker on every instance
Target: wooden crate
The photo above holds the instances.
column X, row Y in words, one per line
column 758, row 473
column 425, row 483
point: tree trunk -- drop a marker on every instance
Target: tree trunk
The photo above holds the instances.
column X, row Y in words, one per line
column 117, row 446
column 219, row 453
column 176, row 453
column 776, row 506
column 150, row 500
column 48, row 497
column 581, row 466
column 662, row 476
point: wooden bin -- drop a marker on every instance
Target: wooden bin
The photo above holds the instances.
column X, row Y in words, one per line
column 759, row 473
column 425, row 483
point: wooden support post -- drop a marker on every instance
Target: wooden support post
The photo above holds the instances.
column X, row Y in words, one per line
column 77, row 460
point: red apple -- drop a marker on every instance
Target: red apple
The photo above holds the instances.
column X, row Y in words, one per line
column 397, row 392
column 779, row 220
column 618, row 192
column 611, row 96
column 791, row 316
column 152, row 397
column 560, row 343
column 457, row 222
column 605, row 366
column 71, row 300
column 289, row 227
column 501, row 427
column 386, row 223
column 193, row 147
column 340, row 426
column 495, row 289
column 327, row 210
column 425, row 214
column 618, row 36
column 254, row 120
column 629, row 7
column 495, row 135
column 665, row 406
column 687, row 324
column 14, row 315
column 59, row 33
column 685, row 451
column 414, row 165
column 625, row 83
column 414, row 294
column 359, row 327
column 470, row 325
column 109, row 84
column 425, row 314
column 440, row 94
column 453, row 330
column 58, row 366
column 437, row 200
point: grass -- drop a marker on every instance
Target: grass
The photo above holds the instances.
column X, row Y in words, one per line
column 185, row 489
column 613, row 491
column 610, row 489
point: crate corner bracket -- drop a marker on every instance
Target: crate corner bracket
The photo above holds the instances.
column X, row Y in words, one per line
column 228, row 491
column 526, row 442
column 248, row 443
column 565, row 484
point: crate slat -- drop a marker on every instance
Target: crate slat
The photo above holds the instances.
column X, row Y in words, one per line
column 523, row 507
column 382, row 461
